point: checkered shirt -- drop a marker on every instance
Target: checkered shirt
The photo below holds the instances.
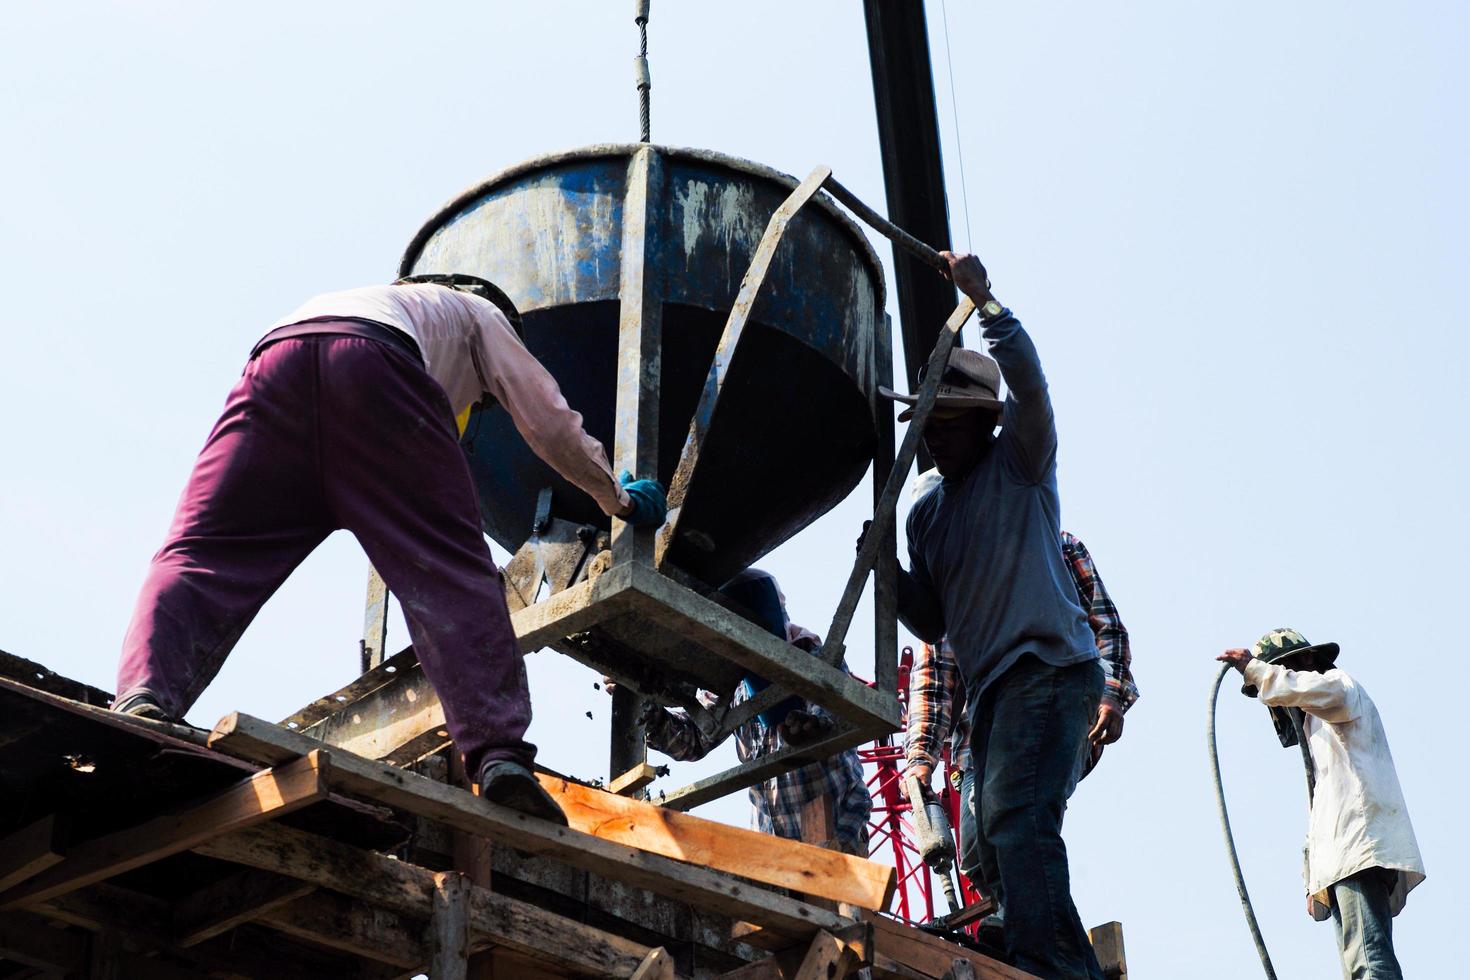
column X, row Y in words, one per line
column 776, row 803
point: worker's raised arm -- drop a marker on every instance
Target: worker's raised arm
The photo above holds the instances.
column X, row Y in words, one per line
column 551, row 427
column 1028, row 434
column 1332, row 696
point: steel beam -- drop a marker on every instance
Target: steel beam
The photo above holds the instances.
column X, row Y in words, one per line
column 765, row 767
column 640, row 344
column 913, row 167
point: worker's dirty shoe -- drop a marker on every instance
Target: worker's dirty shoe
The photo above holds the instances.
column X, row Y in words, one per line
column 142, row 705
column 512, row 785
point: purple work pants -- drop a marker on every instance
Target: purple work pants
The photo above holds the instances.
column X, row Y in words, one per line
column 328, row 432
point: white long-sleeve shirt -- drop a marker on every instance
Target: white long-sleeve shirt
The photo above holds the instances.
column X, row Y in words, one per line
column 1358, row 817
column 470, row 349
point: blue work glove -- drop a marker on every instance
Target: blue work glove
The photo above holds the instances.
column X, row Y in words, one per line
column 650, row 505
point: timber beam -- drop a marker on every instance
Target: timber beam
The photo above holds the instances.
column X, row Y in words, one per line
column 263, row 796
column 27, row 852
column 240, row 898
column 407, row 890
column 760, row 857
column 267, row 744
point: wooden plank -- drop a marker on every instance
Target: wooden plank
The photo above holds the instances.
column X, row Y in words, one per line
column 761, row 857
column 764, row 969
column 508, row 965
column 31, row 940
column 148, row 922
column 1107, row 944
column 263, row 742
column 885, row 967
column 27, row 852
column 449, row 927
column 220, row 907
column 406, row 889
column 352, row 927
column 263, row 796
column 657, row 965
column 633, row 780
column 827, row 958
column 931, row 955
column 106, row 956
column 787, row 959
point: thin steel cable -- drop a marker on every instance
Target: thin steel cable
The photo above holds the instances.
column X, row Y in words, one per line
column 644, row 80
column 954, row 108
column 1245, row 898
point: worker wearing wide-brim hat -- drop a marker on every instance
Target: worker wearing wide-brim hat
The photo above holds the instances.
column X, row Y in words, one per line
column 345, row 417
column 986, row 569
column 1362, row 859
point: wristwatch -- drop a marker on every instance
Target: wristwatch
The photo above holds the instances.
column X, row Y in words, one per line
column 991, row 310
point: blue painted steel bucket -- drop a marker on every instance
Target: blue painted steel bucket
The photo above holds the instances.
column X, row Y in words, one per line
column 795, row 430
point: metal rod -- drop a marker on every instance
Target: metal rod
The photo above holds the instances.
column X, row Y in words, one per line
column 887, row 228
column 750, row 286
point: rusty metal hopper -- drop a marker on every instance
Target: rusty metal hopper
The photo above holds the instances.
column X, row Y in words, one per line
column 794, row 430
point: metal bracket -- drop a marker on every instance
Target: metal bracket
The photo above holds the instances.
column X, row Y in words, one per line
column 557, row 553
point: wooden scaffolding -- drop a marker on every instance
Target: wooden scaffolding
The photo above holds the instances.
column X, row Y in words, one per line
column 140, row 849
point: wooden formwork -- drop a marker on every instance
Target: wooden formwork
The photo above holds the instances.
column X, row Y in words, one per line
column 138, row 849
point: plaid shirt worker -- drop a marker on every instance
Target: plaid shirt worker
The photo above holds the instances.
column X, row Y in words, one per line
column 776, row 803
column 937, row 692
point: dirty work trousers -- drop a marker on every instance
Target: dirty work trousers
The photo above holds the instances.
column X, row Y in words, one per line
column 1365, row 926
column 1026, row 737
column 326, row 432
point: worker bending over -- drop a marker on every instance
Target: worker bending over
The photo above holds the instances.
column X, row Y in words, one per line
column 1362, row 859
column 776, row 804
column 987, row 570
column 345, row 418
column 937, row 713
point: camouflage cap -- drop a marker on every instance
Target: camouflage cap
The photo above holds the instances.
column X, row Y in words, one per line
column 1281, row 643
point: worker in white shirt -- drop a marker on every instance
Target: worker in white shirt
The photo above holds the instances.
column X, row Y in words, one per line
column 345, row 417
column 1362, row 859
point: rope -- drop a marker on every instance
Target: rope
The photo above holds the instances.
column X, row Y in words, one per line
column 954, row 107
column 1245, row 899
column 641, row 77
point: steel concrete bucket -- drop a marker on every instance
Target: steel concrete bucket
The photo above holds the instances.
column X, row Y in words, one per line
column 795, row 426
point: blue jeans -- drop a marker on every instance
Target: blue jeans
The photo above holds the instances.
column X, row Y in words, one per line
column 1364, row 925
column 1027, row 735
column 977, row 858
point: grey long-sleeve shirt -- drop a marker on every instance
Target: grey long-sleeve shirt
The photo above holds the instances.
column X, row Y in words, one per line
column 985, row 550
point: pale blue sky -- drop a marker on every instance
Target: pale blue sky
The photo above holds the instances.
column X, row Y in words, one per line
column 1236, row 232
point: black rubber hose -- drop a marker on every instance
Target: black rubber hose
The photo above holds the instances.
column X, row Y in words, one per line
column 1245, row 899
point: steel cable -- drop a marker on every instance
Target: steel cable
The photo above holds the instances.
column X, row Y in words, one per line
column 640, row 67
